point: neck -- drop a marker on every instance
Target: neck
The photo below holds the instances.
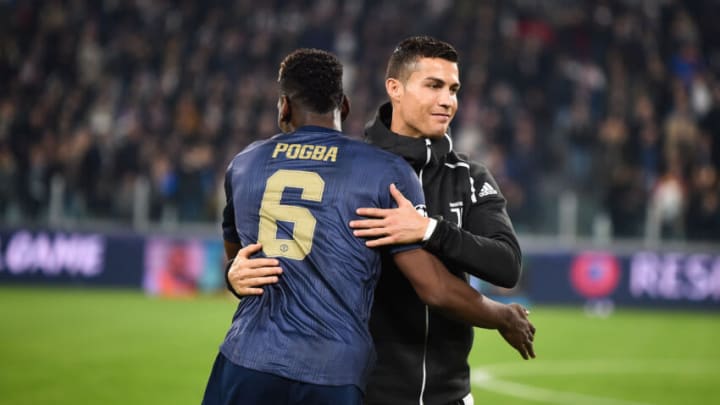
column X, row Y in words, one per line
column 330, row 120
column 398, row 126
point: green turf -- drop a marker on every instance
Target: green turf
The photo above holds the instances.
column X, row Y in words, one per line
column 106, row 347
column 112, row 347
column 632, row 357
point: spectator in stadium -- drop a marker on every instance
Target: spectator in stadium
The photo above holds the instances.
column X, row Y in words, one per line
column 422, row 355
column 703, row 212
column 183, row 75
column 306, row 340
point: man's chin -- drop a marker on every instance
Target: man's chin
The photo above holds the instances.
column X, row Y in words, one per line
column 436, row 133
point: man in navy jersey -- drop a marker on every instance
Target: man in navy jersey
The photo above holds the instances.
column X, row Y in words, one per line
column 306, row 340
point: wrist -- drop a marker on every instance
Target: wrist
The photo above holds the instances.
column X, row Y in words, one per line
column 429, row 229
column 228, row 265
column 504, row 315
column 227, row 279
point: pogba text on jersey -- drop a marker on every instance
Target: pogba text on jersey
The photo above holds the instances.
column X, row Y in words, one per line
column 306, row 152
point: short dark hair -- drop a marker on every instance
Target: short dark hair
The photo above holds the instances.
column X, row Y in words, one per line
column 411, row 49
column 313, row 78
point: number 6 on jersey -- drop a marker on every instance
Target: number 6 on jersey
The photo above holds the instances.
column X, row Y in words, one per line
column 272, row 211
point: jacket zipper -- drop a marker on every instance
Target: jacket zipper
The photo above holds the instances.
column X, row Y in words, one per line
column 427, row 310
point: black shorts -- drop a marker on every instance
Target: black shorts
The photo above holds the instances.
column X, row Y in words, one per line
column 230, row 384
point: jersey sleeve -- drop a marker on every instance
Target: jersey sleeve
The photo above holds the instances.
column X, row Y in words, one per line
column 408, row 184
column 229, row 229
column 486, row 246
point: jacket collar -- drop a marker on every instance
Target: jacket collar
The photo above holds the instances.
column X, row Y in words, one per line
column 414, row 150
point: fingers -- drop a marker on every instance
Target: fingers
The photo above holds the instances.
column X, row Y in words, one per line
column 244, row 273
column 372, row 212
column 248, row 251
column 373, row 228
column 367, row 223
column 370, row 233
column 382, row 237
column 398, row 196
column 245, row 291
column 525, row 348
column 530, row 350
column 532, row 330
column 381, row 212
column 255, row 282
column 247, row 276
column 530, row 336
column 248, row 264
column 388, row 240
column 523, row 352
column 249, row 291
column 521, row 334
column 530, row 339
column 243, row 263
column 244, row 285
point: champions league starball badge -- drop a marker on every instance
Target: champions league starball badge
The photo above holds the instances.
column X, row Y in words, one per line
column 595, row 276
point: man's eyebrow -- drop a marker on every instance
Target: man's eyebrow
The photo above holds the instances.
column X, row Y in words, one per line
column 435, row 79
column 441, row 81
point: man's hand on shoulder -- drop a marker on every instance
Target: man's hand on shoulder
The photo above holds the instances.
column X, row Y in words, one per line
column 391, row 226
column 247, row 276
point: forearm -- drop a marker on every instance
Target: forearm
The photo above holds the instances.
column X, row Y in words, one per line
column 492, row 256
column 231, row 249
column 456, row 299
column 447, row 293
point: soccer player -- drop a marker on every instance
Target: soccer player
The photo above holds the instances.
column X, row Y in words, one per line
column 422, row 355
column 305, row 340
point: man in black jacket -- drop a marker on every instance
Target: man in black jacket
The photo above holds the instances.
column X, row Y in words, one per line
column 422, row 355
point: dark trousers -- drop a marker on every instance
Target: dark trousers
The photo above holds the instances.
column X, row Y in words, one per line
column 230, row 384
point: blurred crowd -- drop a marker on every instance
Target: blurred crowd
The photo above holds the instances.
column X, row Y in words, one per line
column 613, row 104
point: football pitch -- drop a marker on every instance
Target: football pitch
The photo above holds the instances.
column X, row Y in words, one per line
column 75, row 346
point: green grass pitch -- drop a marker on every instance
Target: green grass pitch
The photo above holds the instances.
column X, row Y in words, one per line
column 74, row 346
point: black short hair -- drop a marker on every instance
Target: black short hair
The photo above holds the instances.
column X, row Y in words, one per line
column 411, row 49
column 313, row 78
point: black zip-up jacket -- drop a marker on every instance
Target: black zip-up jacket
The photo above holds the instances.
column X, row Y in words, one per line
column 422, row 356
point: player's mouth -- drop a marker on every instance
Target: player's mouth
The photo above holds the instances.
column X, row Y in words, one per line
column 441, row 117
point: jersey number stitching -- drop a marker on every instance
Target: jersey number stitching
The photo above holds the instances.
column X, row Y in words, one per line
column 272, row 211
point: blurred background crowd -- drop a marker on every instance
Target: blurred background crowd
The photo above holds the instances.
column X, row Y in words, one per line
column 609, row 110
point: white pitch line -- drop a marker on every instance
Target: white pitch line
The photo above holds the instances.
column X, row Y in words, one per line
column 603, row 366
column 485, row 377
column 546, row 395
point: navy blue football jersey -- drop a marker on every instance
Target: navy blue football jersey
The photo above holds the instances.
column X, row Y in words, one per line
column 296, row 193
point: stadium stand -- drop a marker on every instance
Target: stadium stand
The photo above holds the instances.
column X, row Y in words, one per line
column 609, row 110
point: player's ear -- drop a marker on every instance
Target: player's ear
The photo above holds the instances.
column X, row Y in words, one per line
column 284, row 113
column 285, row 109
column 393, row 87
column 344, row 107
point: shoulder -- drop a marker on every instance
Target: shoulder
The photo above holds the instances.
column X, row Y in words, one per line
column 383, row 167
column 478, row 170
column 251, row 149
column 376, row 154
column 261, row 144
column 483, row 183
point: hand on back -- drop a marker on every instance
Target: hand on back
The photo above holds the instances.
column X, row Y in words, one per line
column 247, row 275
